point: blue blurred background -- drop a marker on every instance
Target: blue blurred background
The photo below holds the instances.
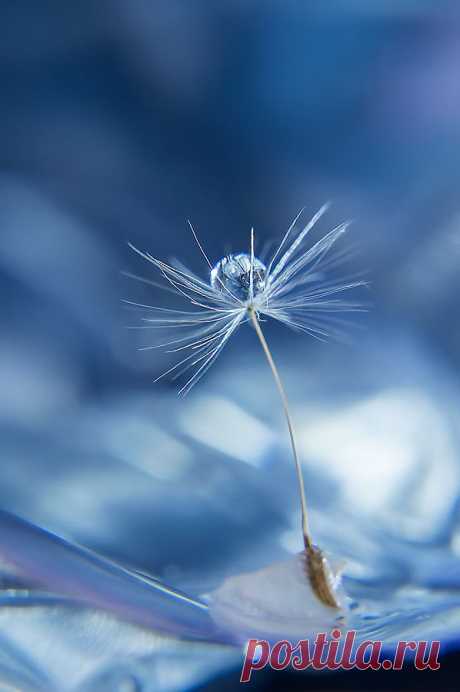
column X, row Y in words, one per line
column 121, row 119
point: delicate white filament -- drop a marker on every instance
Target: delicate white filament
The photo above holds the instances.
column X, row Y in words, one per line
column 293, row 289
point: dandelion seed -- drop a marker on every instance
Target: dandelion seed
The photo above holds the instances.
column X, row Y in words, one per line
column 293, row 288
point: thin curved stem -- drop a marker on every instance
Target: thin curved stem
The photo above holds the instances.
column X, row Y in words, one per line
column 303, row 503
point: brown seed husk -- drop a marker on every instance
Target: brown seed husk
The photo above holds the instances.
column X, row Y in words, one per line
column 319, row 575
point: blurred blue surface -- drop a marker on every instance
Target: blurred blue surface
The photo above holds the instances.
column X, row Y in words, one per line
column 120, row 120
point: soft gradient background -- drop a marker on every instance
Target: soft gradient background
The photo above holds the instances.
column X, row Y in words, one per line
column 119, row 120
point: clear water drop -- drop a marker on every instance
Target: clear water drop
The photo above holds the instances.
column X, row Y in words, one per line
column 233, row 274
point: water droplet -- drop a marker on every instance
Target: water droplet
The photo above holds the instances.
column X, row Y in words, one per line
column 233, row 273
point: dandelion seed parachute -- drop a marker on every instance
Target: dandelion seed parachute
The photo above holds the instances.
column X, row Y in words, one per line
column 292, row 288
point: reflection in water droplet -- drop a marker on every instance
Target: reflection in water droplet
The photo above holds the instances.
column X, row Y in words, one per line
column 233, row 274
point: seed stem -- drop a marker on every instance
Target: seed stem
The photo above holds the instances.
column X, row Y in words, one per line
column 284, row 401
column 316, row 567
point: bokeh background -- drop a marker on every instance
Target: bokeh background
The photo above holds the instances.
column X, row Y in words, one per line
column 121, row 119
